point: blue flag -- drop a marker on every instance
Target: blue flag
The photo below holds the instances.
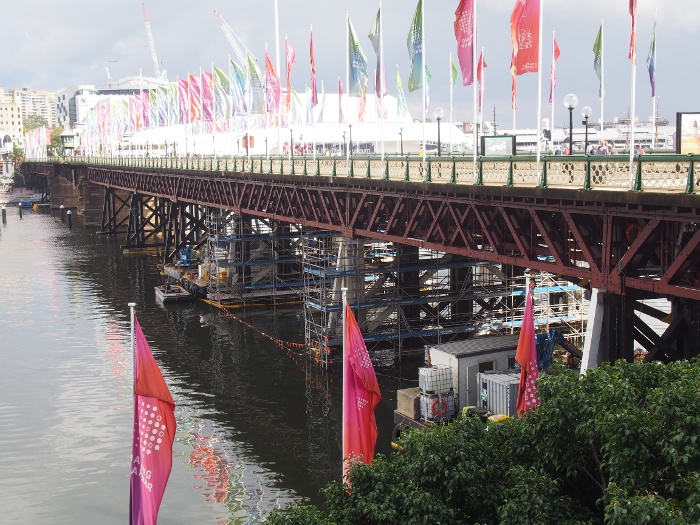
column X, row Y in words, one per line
column 358, row 64
column 415, row 49
column 651, row 62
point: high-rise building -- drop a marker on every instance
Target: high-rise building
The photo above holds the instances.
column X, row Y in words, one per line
column 11, row 118
column 38, row 102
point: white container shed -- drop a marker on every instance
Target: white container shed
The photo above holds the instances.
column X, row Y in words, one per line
column 472, row 356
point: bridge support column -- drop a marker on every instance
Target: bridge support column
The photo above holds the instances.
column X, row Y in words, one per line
column 610, row 330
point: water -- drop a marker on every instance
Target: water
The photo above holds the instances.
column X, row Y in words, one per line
column 257, row 428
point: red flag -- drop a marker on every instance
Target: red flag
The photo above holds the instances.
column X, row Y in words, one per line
column 525, row 34
column 633, row 39
column 154, row 433
column 465, row 28
column 341, row 116
column 514, row 89
column 553, row 71
column 526, row 356
column 360, row 396
column 314, row 94
column 480, row 77
column 272, row 86
column 291, row 58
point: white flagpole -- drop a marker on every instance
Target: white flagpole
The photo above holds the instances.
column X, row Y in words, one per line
column 653, row 98
column 347, row 96
column 552, row 75
column 602, row 80
column 483, row 81
column 381, row 77
column 344, row 292
column 313, row 124
column 267, row 113
column 277, row 61
column 634, row 94
column 425, row 80
column 451, row 96
column 133, row 346
column 475, row 131
column 539, row 88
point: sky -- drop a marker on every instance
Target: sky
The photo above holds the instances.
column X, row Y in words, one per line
column 50, row 45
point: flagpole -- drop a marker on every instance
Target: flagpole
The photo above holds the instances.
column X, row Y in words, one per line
column 602, row 80
column 539, row 86
column 133, row 347
column 481, row 90
column 423, row 75
column 381, row 77
column 653, row 88
column 344, row 292
column 552, row 74
column 634, row 94
column 475, row 131
column 313, row 125
column 347, row 97
column 452, row 88
column 277, row 64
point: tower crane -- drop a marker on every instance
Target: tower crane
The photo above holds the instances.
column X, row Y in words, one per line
column 233, row 40
column 151, row 44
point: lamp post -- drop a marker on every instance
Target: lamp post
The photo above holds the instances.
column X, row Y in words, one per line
column 291, row 142
column 266, row 155
column 570, row 102
column 586, row 113
column 350, row 127
column 401, row 139
column 438, row 114
column 344, row 144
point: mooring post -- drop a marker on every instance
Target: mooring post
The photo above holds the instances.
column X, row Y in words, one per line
column 4, row 215
column 70, row 220
column 63, row 212
column 20, row 210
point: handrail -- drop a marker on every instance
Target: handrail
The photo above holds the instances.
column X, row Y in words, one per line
column 667, row 173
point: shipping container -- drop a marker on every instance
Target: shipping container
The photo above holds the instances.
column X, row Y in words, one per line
column 498, row 391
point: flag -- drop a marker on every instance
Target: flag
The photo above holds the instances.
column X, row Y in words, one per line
column 314, row 93
column 525, row 35
column 257, row 104
column 323, row 102
column 195, row 99
column 272, row 86
column 222, row 97
column 309, row 107
column 553, row 71
column 153, row 435
column 341, row 116
column 454, row 76
column 415, row 49
column 402, row 107
column 465, row 25
column 428, row 78
column 173, row 115
column 651, row 62
column 480, row 77
column 238, row 83
column 360, row 396
column 633, row 38
column 526, row 356
column 154, row 108
column 379, row 80
column 183, row 90
column 207, row 96
column 598, row 60
column 146, row 107
column 163, row 108
column 291, row 58
column 358, row 65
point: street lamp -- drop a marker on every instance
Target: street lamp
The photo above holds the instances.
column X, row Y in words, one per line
column 586, row 113
column 344, row 144
column 291, row 142
column 438, row 114
column 350, row 127
column 570, row 102
column 401, row 139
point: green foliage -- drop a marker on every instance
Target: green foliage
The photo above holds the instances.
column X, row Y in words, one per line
column 617, row 446
column 56, row 144
column 34, row 121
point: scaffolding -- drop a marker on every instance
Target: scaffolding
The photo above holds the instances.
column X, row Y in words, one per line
column 405, row 297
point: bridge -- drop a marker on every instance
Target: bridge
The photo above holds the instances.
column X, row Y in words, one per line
column 584, row 218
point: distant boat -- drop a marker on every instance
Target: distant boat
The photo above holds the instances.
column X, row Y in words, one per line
column 172, row 293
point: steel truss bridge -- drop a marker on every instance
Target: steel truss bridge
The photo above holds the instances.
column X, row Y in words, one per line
column 633, row 234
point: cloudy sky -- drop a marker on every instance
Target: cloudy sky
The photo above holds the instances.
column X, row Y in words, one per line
column 50, row 45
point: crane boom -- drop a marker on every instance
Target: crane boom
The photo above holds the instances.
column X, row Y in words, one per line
column 232, row 39
column 151, row 44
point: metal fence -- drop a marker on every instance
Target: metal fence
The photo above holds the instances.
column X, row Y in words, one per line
column 668, row 173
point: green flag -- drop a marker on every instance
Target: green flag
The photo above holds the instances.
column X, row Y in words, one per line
column 415, row 49
column 598, row 60
column 454, row 74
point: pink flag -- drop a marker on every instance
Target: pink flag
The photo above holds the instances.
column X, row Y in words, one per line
column 360, row 396
column 154, row 433
column 291, row 58
column 272, row 86
column 553, row 71
column 633, row 39
column 465, row 28
column 207, row 96
column 513, row 85
column 146, row 108
column 195, row 99
column 526, row 356
column 183, row 91
column 480, row 77
column 341, row 116
column 314, row 94
column 525, row 35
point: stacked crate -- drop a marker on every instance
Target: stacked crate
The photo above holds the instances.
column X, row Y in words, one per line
column 437, row 398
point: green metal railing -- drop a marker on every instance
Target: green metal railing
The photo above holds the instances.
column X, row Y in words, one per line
column 652, row 172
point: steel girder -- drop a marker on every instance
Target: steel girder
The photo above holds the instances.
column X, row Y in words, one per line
column 614, row 240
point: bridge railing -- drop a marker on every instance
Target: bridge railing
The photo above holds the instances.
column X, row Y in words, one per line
column 651, row 172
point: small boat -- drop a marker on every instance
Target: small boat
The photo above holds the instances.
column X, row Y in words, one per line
column 172, row 293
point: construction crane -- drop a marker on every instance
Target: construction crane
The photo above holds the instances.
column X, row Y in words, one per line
column 232, row 39
column 151, row 44
column 546, row 344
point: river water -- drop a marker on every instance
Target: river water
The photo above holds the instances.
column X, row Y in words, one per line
column 258, row 428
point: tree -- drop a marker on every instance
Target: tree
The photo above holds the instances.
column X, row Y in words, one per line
column 618, row 445
column 34, row 121
column 56, row 145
